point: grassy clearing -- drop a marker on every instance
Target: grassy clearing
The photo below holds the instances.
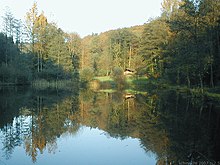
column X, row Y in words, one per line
column 108, row 83
column 143, row 84
column 132, row 91
column 129, row 80
column 104, row 79
column 136, row 80
column 107, row 90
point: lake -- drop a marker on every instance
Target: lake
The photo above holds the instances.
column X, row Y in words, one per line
column 84, row 127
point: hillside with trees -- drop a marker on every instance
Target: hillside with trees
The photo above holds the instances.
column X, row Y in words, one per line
column 182, row 46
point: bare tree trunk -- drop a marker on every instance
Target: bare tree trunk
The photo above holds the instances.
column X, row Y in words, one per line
column 178, row 77
column 41, row 61
column 38, row 62
column 6, row 57
column 200, row 112
column 128, row 110
column 218, row 43
column 211, row 76
column 83, row 53
column 129, row 60
column 188, row 79
column 201, row 82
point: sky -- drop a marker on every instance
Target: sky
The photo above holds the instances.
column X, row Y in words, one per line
column 88, row 16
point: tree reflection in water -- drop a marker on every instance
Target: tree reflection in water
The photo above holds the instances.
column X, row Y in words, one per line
column 176, row 127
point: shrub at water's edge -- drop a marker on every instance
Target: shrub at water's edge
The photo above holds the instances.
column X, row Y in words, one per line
column 119, row 78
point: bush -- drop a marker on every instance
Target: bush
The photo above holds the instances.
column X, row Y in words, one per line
column 119, row 78
column 86, row 75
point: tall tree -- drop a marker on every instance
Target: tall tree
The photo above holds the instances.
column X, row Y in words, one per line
column 18, row 30
column 31, row 18
column 41, row 39
column 121, row 43
column 8, row 23
column 169, row 7
column 74, row 43
column 31, row 32
column 57, row 50
column 154, row 41
column 210, row 16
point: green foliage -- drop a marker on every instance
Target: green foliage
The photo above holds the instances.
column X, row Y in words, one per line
column 86, row 75
column 13, row 64
column 155, row 38
column 119, row 78
column 182, row 46
column 116, row 48
column 104, row 78
column 192, row 52
column 45, row 55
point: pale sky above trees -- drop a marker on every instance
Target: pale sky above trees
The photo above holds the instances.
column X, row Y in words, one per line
column 88, row 16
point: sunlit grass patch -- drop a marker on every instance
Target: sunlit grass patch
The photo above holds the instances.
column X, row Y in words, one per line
column 128, row 79
column 107, row 90
column 107, row 82
column 133, row 91
column 104, row 78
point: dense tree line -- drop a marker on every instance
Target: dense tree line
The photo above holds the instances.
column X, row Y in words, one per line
column 36, row 49
column 193, row 52
column 181, row 46
column 14, row 65
column 115, row 48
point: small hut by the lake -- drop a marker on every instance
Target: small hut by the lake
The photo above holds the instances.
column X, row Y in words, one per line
column 129, row 72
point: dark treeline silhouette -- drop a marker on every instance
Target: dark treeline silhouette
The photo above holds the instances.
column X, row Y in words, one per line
column 192, row 52
column 13, row 63
column 16, row 67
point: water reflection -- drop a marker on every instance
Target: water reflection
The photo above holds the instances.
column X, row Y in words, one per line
column 163, row 127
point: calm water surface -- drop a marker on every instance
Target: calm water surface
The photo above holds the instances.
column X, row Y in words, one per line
column 84, row 127
column 87, row 146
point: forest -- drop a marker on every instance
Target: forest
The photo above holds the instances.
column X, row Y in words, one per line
column 178, row 50
column 181, row 47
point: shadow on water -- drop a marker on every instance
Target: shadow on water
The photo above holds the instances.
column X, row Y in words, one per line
column 178, row 128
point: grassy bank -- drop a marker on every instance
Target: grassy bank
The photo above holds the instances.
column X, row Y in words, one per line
column 107, row 82
column 144, row 84
column 131, row 81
